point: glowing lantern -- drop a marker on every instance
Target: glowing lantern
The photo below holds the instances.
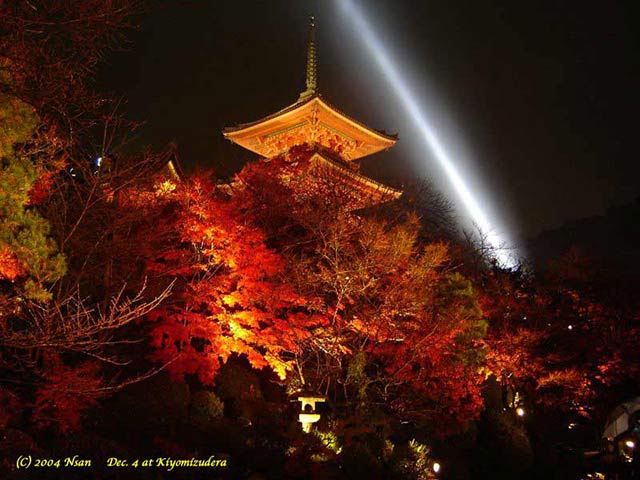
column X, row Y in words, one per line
column 308, row 415
column 627, row 447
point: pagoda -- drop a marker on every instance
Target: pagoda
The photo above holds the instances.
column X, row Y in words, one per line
column 335, row 141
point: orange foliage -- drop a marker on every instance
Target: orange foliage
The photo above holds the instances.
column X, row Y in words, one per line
column 10, row 267
column 232, row 300
column 390, row 299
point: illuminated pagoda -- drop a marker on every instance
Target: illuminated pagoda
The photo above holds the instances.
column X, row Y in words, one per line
column 335, row 141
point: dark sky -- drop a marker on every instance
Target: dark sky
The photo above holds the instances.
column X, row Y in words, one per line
column 540, row 99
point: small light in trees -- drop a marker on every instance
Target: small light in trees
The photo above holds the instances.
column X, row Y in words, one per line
column 570, row 327
column 520, row 411
column 630, row 444
column 436, row 467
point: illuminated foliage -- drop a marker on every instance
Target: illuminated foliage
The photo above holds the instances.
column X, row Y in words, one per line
column 402, row 329
column 283, row 268
column 54, row 331
column 232, row 299
column 560, row 337
column 26, row 249
column 17, row 123
column 282, row 273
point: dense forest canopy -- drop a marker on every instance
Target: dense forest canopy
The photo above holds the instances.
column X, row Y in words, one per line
column 117, row 278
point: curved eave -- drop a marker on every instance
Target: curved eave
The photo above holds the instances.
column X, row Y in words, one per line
column 249, row 135
column 368, row 186
column 383, row 137
column 242, row 127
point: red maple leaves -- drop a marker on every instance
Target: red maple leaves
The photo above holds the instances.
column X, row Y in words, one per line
column 232, row 299
column 280, row 272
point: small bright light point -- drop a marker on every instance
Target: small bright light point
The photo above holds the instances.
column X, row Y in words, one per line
column 98, row 161
column 520, row 411
column 570, row 327
column 630, row 444
column 408, row 99
column 436, row 467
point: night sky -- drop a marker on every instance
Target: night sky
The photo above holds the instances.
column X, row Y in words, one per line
column 538, row 101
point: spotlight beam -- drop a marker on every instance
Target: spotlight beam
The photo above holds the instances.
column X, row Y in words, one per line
column 407, row 99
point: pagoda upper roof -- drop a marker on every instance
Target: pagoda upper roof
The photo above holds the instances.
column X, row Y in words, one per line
column 310, row 120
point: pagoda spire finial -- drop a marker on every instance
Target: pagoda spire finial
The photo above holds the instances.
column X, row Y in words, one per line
column 312, row 77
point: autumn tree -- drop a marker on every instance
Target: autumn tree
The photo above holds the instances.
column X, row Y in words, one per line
column 403, row 324
column 45, row 311
column 283, row 273
column 59, row 328
column 559, row 337
column 49, row 52
column 230, row 297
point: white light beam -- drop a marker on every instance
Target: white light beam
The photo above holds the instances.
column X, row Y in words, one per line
column 390, row 71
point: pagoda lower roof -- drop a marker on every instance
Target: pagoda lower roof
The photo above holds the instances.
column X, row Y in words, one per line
column 311, row 121
column 368, row 188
